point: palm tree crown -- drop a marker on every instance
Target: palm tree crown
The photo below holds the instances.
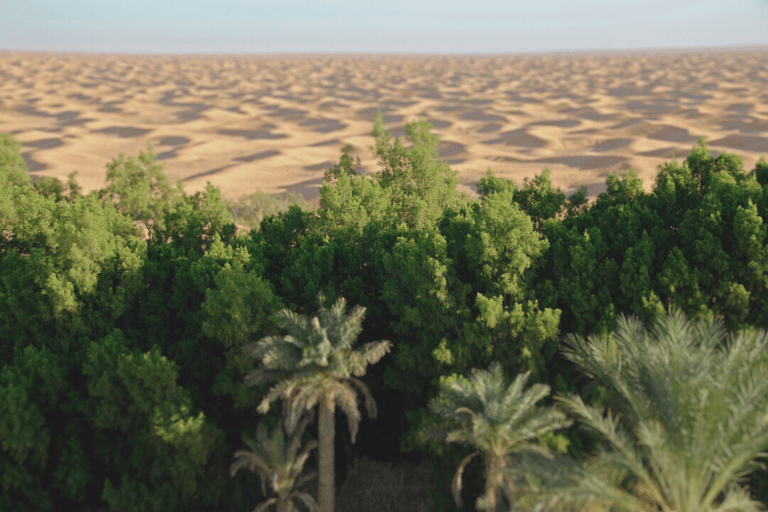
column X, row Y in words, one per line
column 496, row 419
column 314, row 364
column 693, row 404
column 278, row 461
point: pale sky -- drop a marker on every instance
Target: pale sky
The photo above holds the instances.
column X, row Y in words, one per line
column 377, row 26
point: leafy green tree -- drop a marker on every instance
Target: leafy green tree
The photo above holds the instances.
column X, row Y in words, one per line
column 496, row 419
column 14, row 169
column 577, row 276
column 461, row 294
column 146, row 430
column 32, row 477
column 760, row 172
column 577, row 203
column 277, row 460
column 752, row 254
column 490, row 184
column 424, row 306
column 625, row 188
column 72, row 269
column 314, row 365
column 688, row 421
column 279, row 236
column 238, row 306
column 491, row 248
column 673, row 246
column 347, row 164
column 420, row 185
column 141, row 190
column 53, row 187
column 349, row 202
column 58, row 261
column 539, row 199
column 197, row 220
column 702, row 205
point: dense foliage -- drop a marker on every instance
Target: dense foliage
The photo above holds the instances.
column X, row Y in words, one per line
column 686, row 421
column 124, row 312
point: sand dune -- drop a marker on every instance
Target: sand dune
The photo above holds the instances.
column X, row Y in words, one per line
column 276, row 123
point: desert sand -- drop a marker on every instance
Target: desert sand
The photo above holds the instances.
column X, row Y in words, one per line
column 276, row 123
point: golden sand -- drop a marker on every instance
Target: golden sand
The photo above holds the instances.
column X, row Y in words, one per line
column 276, row 123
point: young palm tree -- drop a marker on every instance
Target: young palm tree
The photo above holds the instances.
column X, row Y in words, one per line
column 693, row 403
column 498, row 421
column 314, row 365
column 277, row 461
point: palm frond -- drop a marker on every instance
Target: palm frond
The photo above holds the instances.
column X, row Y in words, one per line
column 283, row 356
column 435, row 432
column 604, row 359
column 464, row 436
column 343, row 395
column 263, row 507
column 544, row 419
column 738, row 456
column 549, row 470
column 364, row 390
column 591, row 491
column 737, row 499
column 264, row 376
column 513, row 392
column 305, row 394
column 459, row 393
column 368, row 354
column 307, row 500
column 465, row 410
column 281, row 390
column 347, row 328
column 607, row 427
column 601, row 480
column 525, row 404
column 306, row 478
column 258, row 349
column 296, row 434
column 251, row 462
column 456, row 484
column 693, row 402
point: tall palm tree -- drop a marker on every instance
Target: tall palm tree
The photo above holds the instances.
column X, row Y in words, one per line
column 314, row 364
column 691, row 417
column 277, row 461
column 498, row 421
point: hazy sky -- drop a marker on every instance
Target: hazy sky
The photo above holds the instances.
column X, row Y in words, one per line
column 377, row 26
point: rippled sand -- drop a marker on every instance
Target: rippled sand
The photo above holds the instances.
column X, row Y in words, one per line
column 276, row 123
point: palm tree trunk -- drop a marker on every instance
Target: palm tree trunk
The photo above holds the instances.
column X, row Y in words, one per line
column 327, row 478
column 493, row 482
column 285, row 505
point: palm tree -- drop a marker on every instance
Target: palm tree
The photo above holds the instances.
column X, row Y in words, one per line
column 314, row 365
column 497, row 420
column 692, row 402
column 277, row 461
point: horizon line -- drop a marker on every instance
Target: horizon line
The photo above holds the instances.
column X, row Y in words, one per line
column 761, row 47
